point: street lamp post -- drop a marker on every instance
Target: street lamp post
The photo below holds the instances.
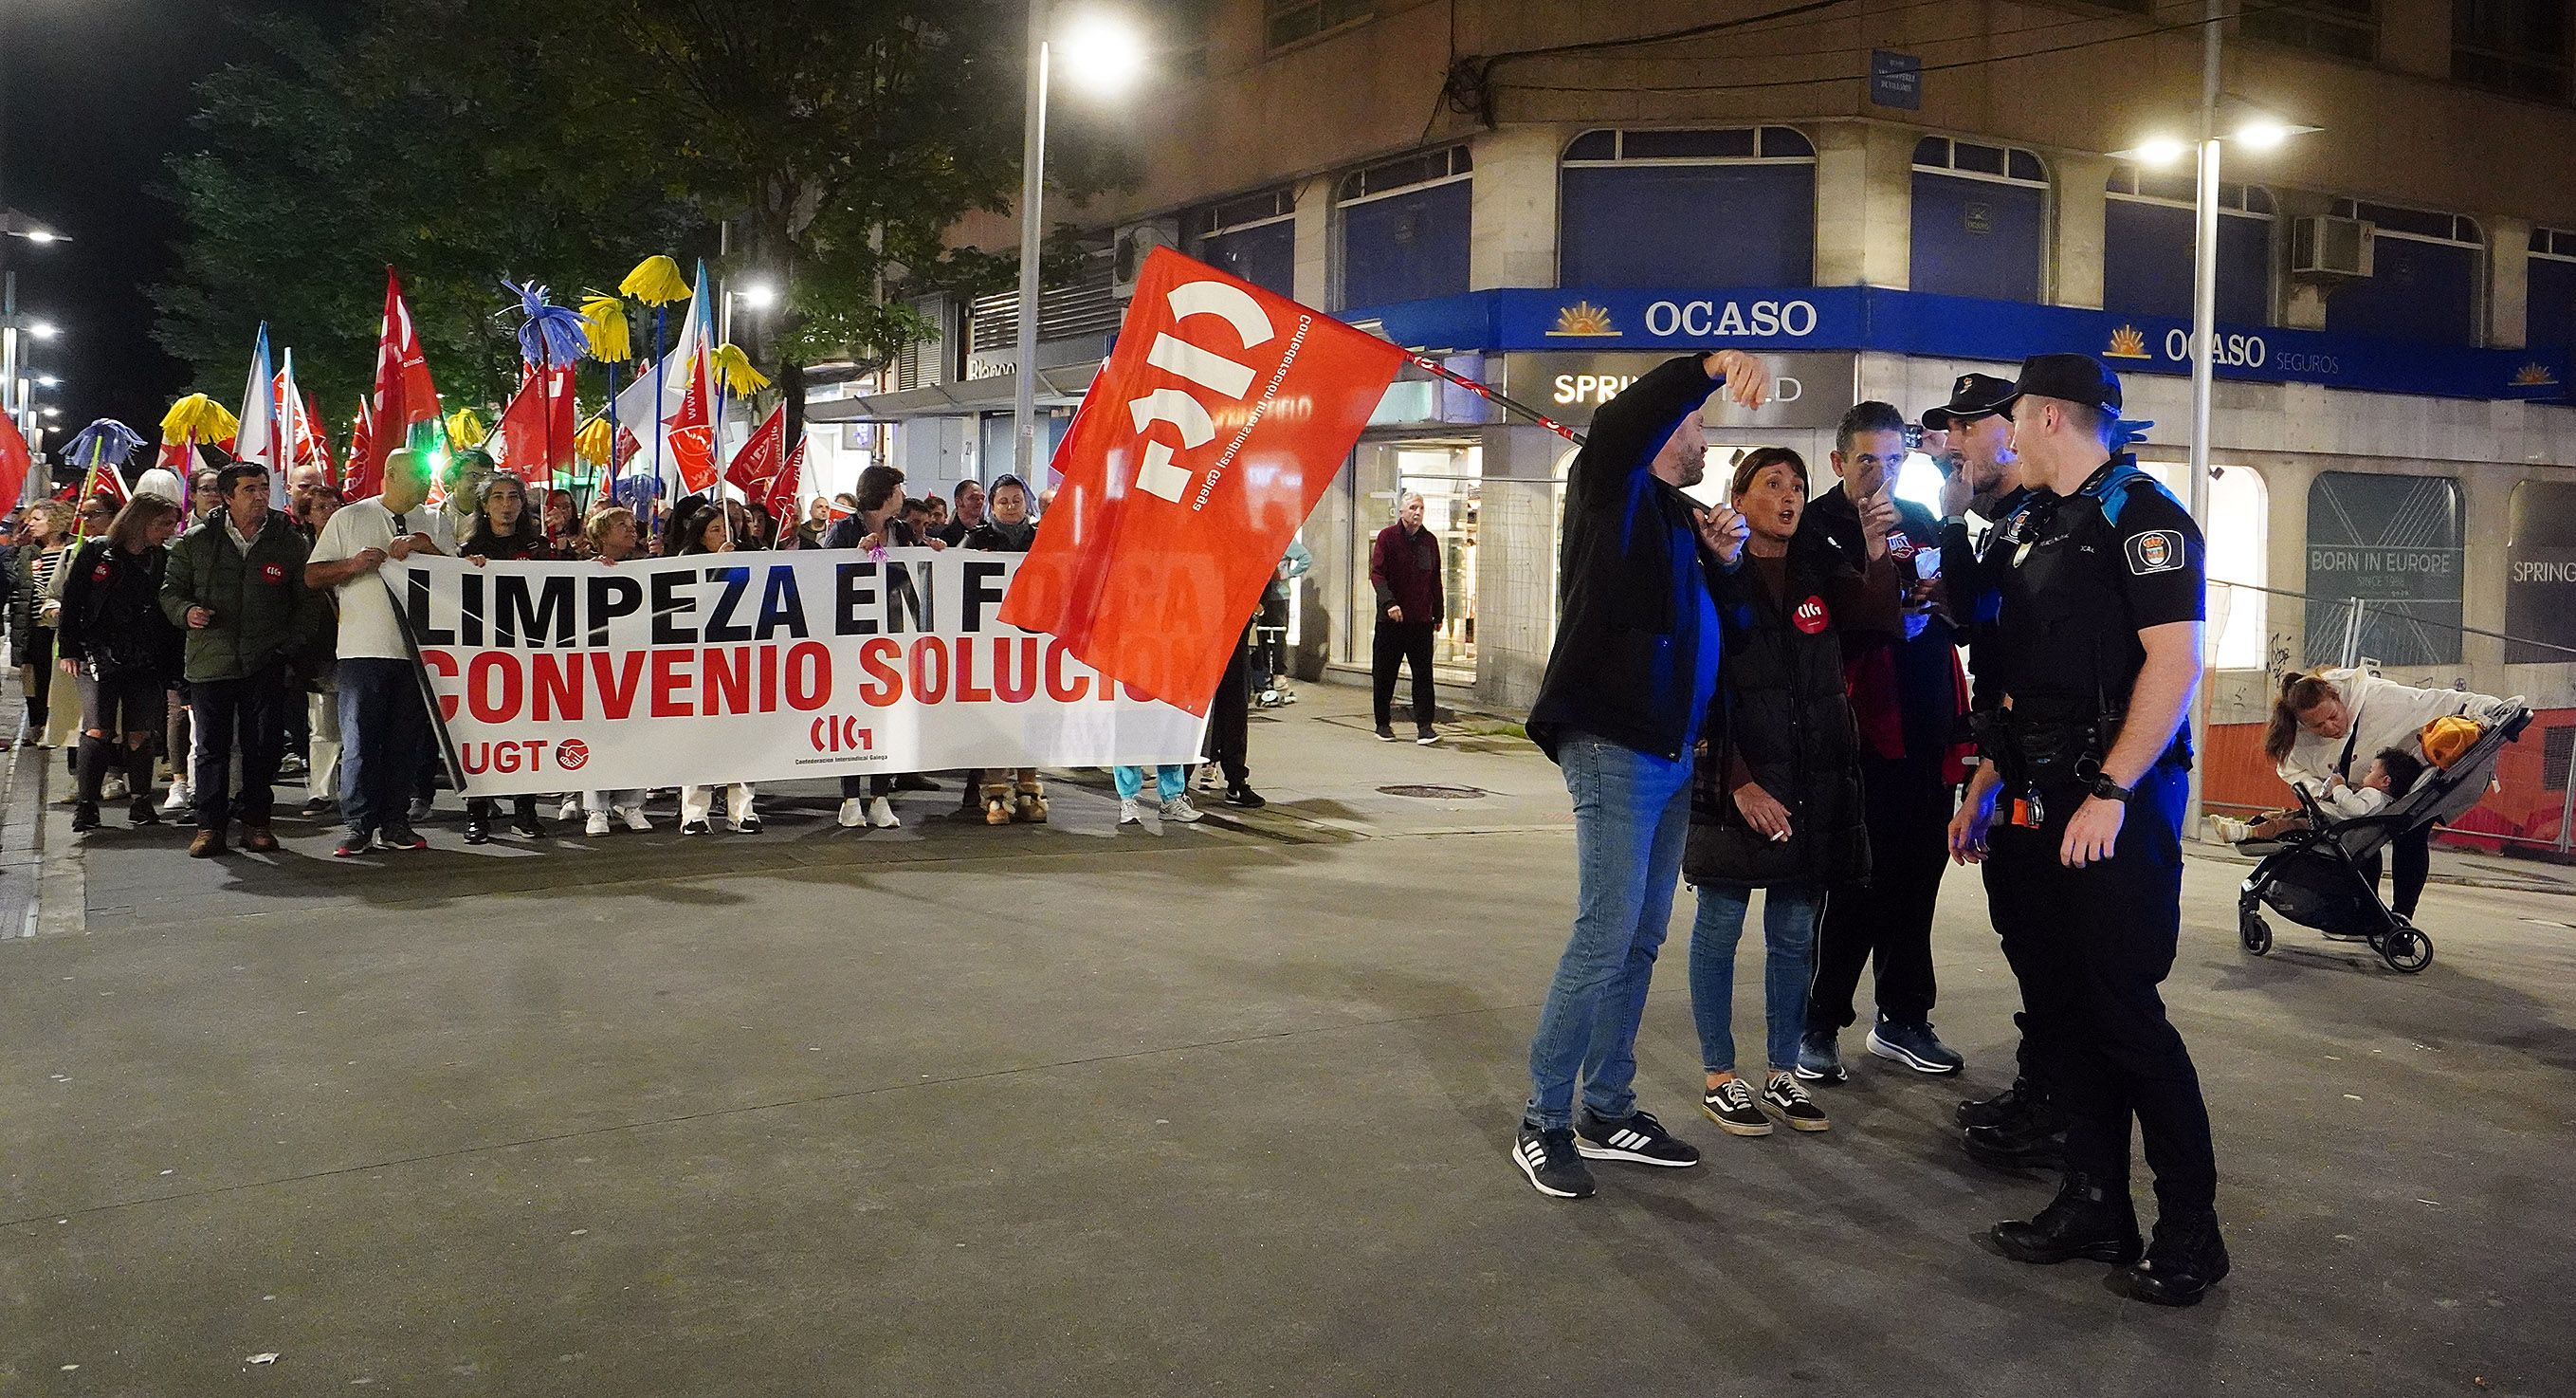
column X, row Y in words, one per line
column 1104, row 55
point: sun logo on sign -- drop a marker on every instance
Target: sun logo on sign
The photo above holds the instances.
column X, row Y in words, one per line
column 1583, row 319
column 2533, row 375
column 2127, row 342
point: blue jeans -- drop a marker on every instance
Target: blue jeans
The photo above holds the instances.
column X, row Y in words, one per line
column 1788, row 953
column 384, row 730
column 1170, row 780
column 1630, row 813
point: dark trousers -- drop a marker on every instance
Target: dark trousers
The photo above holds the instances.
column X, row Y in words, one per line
column 40, row 659
column 1888, row 920
column 248, row 713
column 2090, row 946
column 1229, row 735
column 2412, row 853
column 1408, row 642
column 856, row 787
column 383, row 732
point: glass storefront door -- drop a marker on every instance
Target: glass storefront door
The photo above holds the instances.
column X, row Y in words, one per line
column 1449, row 476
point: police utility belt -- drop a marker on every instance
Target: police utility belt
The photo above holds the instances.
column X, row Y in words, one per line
column 2053, row 757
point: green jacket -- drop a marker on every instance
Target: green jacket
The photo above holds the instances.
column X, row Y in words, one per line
column 264, row 614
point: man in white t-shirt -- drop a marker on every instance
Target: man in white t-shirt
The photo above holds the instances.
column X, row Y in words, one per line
column 384, row 728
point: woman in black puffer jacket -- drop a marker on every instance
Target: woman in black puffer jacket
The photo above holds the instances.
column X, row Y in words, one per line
column 1776, row 797
column 122, row 651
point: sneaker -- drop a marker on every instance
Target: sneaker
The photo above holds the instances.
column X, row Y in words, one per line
column 748, row 823
column 1385, row 734
column 1820, row 1059
column 141, row 812
column 1639, row 1139
column 854, row 813
column 1128, row 813
column 179, row 799
column 526, row 827
column 881, row 813
column 1554, row 1166
column 478, row 832
column 291, row 765
column 693, row 827
column 1209, row 778
column 1179, row 810
column 84, row 817
column 997, row 809
column 1915, row 1045
column 1426, row 738
column 596, row 825
column 570, row 810
column 114, row 788
column 2230, row 829
column 354, row 843
column 1029, row 809
column 317, row 807
column 400, row 837
column 1783, row 1095
column 634, row 818
column 1242, row 794
column 420, row 808
column 1730, row 1104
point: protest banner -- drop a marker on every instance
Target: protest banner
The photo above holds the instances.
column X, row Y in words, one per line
column 755, row 667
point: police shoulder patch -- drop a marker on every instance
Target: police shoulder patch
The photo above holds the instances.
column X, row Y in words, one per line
column 2155, row 551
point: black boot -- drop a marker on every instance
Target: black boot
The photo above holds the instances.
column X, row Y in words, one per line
column 2010, row 1105
column 2090, row 1219
column 2037, row 1142
column 2187, row 1258
column 138, row 779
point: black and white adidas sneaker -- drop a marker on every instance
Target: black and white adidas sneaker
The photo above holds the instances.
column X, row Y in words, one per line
column 1553, row 1165
column 1640, row 1139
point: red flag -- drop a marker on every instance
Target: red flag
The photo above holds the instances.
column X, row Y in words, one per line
column 536, row 431
column 691, row 437
column 781, row 501
column 15, row 462
column 361, row 434
column 1207, row 437
column 314, row 445
column 406, row 402
column 762, row 457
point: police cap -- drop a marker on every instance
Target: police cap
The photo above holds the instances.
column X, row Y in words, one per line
column 1971, row 396
column 2073, row 378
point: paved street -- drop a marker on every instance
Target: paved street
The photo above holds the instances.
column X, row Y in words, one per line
column 1212, row 1111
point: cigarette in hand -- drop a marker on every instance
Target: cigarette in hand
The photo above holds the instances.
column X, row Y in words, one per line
column 1783, row 835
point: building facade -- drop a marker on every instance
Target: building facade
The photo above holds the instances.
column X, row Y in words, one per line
column 1878, row 196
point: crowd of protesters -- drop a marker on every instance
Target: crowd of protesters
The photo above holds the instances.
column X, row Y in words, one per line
column 205, row 629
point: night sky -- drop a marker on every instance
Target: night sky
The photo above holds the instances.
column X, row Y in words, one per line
column 94, row 96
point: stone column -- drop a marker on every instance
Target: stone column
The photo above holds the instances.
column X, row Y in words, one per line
column 1864, row 204
column 2508, row 282
column 1313, row 278
column 1513, row 239
column 2076, row 235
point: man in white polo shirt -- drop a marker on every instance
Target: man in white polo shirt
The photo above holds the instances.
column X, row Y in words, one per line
column 384, row 728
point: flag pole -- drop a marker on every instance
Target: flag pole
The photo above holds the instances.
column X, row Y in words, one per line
column 1494, row 396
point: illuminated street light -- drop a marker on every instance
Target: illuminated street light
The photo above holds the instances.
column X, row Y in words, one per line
column 43, row 329
column 760, row 296
column 1102, row 53
column 2157, row 151
column 48, row 381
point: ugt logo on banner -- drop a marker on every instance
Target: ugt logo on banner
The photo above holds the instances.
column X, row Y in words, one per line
column 1205, row 440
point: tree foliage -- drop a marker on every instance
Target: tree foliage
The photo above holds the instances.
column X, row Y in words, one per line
column 462, row 141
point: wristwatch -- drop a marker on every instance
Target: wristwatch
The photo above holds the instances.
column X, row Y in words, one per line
column 2110, row 790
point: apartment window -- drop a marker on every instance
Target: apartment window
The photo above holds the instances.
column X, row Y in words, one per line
column 1404, row 226
column 2344, row 28
column 2512, row 46
column 1980, row 220
column 2147, row 234
column 1254, row 238
column 2550, row 312
column 1290, row 21
column 1637, row 208
column 2424, row 284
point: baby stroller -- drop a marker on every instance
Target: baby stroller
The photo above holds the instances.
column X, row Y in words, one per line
column 2317, row 876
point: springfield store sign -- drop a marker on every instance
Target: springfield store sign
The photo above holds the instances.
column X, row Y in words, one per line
column 1808, row 390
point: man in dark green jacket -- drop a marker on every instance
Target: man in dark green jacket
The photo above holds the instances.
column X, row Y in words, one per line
column 235, row 585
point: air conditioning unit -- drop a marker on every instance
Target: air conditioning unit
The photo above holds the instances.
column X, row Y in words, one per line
column 1134, row 243
column 2330, row 249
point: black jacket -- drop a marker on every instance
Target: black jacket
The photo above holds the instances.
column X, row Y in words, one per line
column 1780, row 719
column 1626, row 659
column 1905, row 693
column 112, row 615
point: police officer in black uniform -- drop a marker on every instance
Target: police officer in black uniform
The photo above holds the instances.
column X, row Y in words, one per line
column 2077, row 817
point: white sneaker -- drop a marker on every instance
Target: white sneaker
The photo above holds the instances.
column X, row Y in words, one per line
column 634, row 818
column 1128, row 814
column 114, row 788
column 597, row 825
column 419, row 810
column 1210, row 777
column 571, row 808
column 854, row 813
column 1180, row 809
column 179, row 799
column 881, row 814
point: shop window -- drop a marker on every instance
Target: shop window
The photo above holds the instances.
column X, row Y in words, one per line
column 2540, row 575
column 2550, row 308
column 1404, row 227
column 1449, row 476
column 2148, row 231
column 2343, row 28
column 1980, row 220
column 1288, row 22
column 1640, row 208
column 2387, row 548
column 2238, row 544
column 2512, row 46
column 1254, row 238
column 2424, row 285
